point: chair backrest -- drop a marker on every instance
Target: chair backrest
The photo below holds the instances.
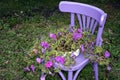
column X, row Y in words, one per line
column 89, row 17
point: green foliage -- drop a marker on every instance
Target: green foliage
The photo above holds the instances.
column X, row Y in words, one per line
column 4, row 26
column 98, row 49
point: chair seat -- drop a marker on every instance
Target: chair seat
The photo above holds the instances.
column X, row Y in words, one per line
column 81, row 61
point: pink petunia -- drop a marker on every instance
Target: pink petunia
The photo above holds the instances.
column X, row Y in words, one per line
column 107, row 54
column 77, row 36
column 60, row 59
column 32, row 68
column 38, row 60
column 53, row 36
column 45, row 45
column 48, row 64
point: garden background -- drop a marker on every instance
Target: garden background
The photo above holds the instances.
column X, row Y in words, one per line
column 22, row 21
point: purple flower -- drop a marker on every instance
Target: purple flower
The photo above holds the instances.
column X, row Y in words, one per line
column 77, row 36
column 45, row 45
column 27, row 69
column 60, row 59
column 48, row 64
column 82, row 48
column 107, row 54
column 32, row 68
column 38, row 60
column 53, row 36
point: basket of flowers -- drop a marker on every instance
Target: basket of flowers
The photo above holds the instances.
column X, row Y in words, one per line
column 63, row 47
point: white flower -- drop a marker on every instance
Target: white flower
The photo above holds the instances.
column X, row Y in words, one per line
column 76, row 53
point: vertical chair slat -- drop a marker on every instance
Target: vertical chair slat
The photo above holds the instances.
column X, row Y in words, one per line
column 94, row 27
column 72, row 21
column 91, row 24
column 88, row 22
column 80, row 21
column 84, row 21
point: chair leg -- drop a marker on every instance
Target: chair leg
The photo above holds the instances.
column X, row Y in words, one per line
column 95, row 67
column 70, row 75
column 62, row 75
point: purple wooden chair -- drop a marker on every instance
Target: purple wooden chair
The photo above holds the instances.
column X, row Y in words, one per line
column 89, row 18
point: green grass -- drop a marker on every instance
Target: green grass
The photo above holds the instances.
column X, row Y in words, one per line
column 18, row 33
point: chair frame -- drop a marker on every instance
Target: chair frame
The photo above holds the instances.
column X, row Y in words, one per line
column 89, row 18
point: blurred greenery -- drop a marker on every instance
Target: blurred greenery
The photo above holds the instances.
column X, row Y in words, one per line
column 22, row 21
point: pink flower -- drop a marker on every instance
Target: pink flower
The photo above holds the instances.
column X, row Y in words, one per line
column 60, row 59
column 107, row 54
column 53, row 36
column 32, row 68
column 77, row 36
column 82, row 48
column 48, row 64
column 45, row 45
column 38, row 60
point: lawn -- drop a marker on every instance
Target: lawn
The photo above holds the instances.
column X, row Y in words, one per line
column 23, row 22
